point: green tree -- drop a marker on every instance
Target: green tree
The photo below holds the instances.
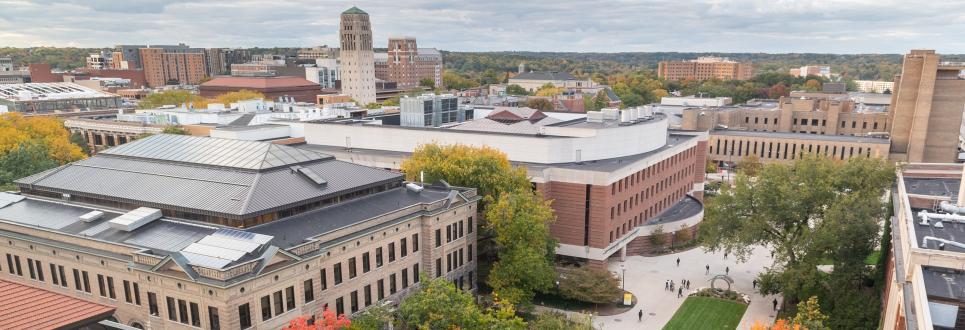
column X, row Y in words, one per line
column 588, row 284
column 548, row 90
column 391, row 102
column 683, row 235
column 172, row 97
column 658, row 237
column 439, row 305
column 453, row 80
column 484, row 168
column 427, row 82
column 710, row 167
column 28, row 159
column 539, row 103
column 809, row 315
column 525, row 248
column 515, row 89
column 378, row 316
column 750, row 165
column 560, row 321
column 172, row 129
column 78, row 139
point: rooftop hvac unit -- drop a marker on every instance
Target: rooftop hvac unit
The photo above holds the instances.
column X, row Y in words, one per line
column 91, row 216
column 135, row 219
column 594, row 117
column 414, row 187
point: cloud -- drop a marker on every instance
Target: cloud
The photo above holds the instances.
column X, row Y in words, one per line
column 775, row 26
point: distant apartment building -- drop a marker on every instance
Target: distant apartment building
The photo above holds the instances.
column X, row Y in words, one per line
column 704, row 68
column 325, row 73
column 356, row 56
column 279, row 233
column 100, row 61
column 407, row 64
column 320, row 52
column 533, row 80
column 127, row 56
column 926, row 109
column 381, row 63
column 430, row 110
column 6, row 64
column 214, row 61
column 10, row 74
column 874, row 86
column 812, row 70
column 173, row 64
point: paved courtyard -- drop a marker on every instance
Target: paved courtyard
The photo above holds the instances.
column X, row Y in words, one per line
column 645, row 277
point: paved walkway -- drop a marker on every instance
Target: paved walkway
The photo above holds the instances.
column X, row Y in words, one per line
column 645, row 277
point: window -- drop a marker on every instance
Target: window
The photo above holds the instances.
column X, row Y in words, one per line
column 289, row 298
column 86, row 281
column 183, row 311
column 214, row 320
column 10, row 267
column 392, row 252
column 378, row 257
column 279, row 308
column 137, row 294
column 16, row 261
column 351, row 267
column 381, row 289
column 244, row 314
column 415, row 273
column 365, row 262
column 460, row 229
column 469, row 252
column 339, row 306
column 265, row 308
column 354, row 301
column 172, row 313
column 195, row 315
column 438, row 267
column 415, row 242
column 337, row 273
column 367, row 295
column 392, row 283
column 438, row 239
column 100, row 284
column 152, row 304
column 30, row 267
column 324, row 282
column 405, row 278
column 110, row 287
column 448, row 262
column 77, row 285
column 127, row 291
column 309, row 291
column 53, row 274
column 448, row 233
column 469, row 226
column 403, row 248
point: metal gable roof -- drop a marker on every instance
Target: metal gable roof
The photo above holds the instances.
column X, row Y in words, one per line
column 247, row 155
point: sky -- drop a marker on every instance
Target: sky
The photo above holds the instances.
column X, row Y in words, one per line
column 767, row 26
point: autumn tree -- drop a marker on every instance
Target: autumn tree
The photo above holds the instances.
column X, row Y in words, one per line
column 171, row 97
column 33, row 144
column 588, row 284
column 439, row 305
column 540, row 103
column 173, row 129
column 750, row 165
column 658, row 237
column 484, row 168
column 524, row 246
column 683, row 235
column 232, row 97
column 548, row 90
column 328, row 321
column 514, row 89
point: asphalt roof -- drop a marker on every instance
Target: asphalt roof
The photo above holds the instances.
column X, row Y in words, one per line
column 27, row 307
column 944, row 282
column 166, row 171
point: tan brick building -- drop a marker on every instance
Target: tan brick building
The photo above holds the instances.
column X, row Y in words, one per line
column 704, row 68
column 184, row 65
column 245, row 235
column 407, row 64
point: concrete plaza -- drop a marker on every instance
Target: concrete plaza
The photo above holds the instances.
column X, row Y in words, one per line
column 645, row 278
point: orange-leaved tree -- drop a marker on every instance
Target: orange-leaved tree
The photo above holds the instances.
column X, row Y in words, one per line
column 328, row 321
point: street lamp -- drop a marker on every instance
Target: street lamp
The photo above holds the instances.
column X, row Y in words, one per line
column 623, row 269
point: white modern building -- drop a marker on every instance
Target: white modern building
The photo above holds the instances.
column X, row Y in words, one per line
column 325, row 73
column 430, row 110
column 875, row 86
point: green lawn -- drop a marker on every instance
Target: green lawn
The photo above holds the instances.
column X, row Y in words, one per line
column 699, row 313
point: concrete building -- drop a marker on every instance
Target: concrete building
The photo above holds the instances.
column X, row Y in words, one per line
column 407, row 64
column 325, row 73
column 532, row 81
column 128, row 57
column 430, row 110
column 173, row 64
column 704, row 68
column 298, row 88
column 102, row 134
column 812, row 70
column 614, row 178
column 6, row 64
column 99, row 61
column 381, row 62
column 926, row 109
column 50, row 98
column 924, row 275
column 320, row 52
column 245, row 235
column 874, row 86
column 356, row 56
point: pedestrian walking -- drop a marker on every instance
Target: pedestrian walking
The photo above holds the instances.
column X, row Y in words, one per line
column 755, row 284
column 671, row 285
column 727, row 270
column 775, row 303
column 688, row 284
column 640, row 315
column 707, row 269
column 680, row 292
column 666, row 285
column 678, row 262
column 725, row 254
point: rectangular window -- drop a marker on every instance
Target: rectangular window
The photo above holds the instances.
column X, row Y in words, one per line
column 244, row 313
column 137, row 294
column 183, row 311
column 309, row 291
column 365, row 263
column 127, row 291
column 324, row 282
column 214, row 320
column 415, row 242
column 30, row 268
column 172, row 310
column 195, row 315
column 378, row 257
column 448, row 262
column 339, row 306
column 53, row 274
column 100, row 285
column 438, row 267
column 337, row 273
column 448, row 233
column 10, row 267
column 381, row 289
column 354, row 301
column 40, row 270
column 351, row 267
column 469, row 252
column 77, row 285
column 289, row 298
column 86, row 281
column 152, row 304
column 469, row 226
column 405, row 278
column 367, row 295
column 110, row 287
column 392, row 252
column 403, row 248
column 279, row 307
column 460, row 229
column 438, row 237
column 265, row 308
column 392, row 283
column 16, row 261
column 461, row 259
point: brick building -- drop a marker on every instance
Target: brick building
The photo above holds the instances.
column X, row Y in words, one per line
column 299, row 88
column 173, row 64
column 407, row 64
column 704, row 68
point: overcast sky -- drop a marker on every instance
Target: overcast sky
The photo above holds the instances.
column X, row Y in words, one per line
column 770, row 26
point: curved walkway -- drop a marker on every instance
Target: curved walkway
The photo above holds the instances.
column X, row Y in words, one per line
column 645, row 277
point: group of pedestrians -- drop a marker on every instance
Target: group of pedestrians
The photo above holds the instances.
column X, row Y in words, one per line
column 669, row 285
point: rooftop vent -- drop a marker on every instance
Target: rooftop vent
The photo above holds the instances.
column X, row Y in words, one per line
column 414, row 187
column 91, row 216
column 135, row 219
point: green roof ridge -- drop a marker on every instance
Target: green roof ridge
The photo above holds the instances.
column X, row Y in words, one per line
column 354, row 10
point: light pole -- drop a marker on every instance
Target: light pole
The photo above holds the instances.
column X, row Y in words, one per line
column 623, row 270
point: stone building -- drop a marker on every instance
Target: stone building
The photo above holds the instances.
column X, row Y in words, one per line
column 357, row 63
column 704, row 68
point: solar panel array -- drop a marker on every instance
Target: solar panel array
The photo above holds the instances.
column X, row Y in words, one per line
column 223, row 247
